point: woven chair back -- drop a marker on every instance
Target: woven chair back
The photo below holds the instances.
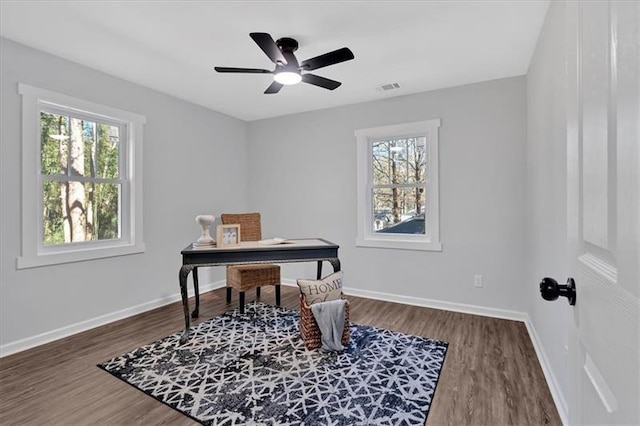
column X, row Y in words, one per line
column 250, row 229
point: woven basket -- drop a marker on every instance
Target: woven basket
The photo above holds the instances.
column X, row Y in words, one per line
column 247, row 277
column 309, row 330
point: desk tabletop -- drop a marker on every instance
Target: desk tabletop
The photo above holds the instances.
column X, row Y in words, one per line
column 256, row 245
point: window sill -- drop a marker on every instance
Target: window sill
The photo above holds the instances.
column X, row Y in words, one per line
column 26, row 262
column 399, row 244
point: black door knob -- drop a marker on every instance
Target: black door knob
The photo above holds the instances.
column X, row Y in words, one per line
column 550, row 290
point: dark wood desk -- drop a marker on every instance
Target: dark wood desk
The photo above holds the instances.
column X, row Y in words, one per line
column 303, row 250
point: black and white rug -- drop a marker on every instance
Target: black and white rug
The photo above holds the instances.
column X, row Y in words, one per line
column 253, row 369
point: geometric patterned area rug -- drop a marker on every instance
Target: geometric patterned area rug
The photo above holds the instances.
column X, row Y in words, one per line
column 253, row 369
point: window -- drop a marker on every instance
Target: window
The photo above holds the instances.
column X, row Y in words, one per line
column 398, row 186
column 82, row 179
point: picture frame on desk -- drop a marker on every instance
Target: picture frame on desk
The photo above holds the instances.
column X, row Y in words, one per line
column 228, row 235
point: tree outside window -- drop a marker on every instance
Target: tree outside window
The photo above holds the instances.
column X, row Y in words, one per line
column 81, row 184
column 399, row 185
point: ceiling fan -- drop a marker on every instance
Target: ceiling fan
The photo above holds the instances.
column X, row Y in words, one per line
column 288, row 71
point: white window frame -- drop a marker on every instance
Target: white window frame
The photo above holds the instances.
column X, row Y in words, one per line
column 366, row 236
column 34, row 252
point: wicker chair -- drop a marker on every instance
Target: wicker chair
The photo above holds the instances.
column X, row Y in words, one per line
column 246, row 277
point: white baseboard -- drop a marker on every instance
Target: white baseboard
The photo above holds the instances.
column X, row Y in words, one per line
column 552, row 382
column 430, row 303
column 439, row 304
column 50, row 336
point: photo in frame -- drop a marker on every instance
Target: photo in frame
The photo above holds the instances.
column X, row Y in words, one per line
column 228, row 235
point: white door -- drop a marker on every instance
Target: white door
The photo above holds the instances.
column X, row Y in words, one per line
column 603, row 124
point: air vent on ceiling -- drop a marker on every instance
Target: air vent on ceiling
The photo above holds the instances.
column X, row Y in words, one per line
column 387, row 87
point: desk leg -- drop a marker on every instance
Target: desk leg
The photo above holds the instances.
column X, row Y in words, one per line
column 196, row 289
column 319, row 273
column 335, row 263
column 182, row 276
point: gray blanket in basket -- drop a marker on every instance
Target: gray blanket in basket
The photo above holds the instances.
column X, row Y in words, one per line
column 330, row 319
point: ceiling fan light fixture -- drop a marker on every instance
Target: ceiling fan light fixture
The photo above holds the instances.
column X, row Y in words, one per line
column 287, row 78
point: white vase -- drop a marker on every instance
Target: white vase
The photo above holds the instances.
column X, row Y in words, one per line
column 205, row 221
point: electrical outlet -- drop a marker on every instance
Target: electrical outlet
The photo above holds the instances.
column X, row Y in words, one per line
column 477, row 280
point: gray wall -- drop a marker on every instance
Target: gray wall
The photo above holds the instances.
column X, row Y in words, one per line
column 303, row 180
column 194, row 163
column 546, row 188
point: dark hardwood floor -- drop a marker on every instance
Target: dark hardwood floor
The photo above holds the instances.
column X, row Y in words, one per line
column 491, row 375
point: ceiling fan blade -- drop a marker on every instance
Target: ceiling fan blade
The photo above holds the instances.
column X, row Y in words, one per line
column 327, row 59
column 273, row 88
column 268, row 46
column 244, row 70
column 316, row 80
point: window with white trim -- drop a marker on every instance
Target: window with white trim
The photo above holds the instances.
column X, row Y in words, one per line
column 82, row 179
column 398, row 186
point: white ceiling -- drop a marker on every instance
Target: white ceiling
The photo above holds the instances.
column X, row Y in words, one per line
column 172, row 46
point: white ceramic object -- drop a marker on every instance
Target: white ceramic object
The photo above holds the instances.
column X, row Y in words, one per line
column 205, row 221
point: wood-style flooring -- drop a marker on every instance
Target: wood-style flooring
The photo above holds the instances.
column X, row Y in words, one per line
column 491, row 375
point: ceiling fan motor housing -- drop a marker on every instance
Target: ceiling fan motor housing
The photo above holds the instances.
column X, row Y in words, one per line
column 287, row 44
